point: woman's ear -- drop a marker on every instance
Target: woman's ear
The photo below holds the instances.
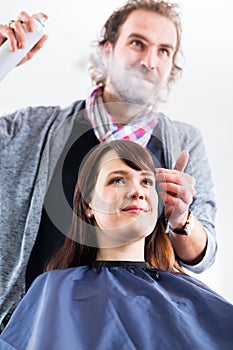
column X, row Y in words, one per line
column 89, row 212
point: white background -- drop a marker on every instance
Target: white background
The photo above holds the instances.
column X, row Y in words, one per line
column 203, row 97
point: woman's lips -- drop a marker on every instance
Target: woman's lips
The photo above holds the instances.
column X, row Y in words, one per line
column 135, row 209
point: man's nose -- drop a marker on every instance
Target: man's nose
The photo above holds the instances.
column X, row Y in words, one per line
column 150, row 59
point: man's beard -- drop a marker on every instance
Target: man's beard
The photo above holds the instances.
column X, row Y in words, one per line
column 130, row 85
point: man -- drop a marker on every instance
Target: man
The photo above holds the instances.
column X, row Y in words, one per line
column 42, row 148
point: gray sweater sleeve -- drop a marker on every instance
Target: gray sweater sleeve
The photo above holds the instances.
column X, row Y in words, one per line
column 204, row 202
column 23, row 137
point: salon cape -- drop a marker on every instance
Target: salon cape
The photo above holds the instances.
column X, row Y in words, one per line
column 119, row 308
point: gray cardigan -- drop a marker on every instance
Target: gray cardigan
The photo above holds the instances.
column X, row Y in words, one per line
column 31, row 141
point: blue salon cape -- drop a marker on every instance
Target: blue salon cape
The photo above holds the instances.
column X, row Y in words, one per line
column 119, row 308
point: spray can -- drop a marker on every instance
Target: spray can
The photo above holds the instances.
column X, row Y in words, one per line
column 9, row 59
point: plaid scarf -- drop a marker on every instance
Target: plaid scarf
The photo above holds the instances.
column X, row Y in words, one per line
column 105, row 126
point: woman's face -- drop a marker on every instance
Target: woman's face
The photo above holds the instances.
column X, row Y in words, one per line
column 124, row 202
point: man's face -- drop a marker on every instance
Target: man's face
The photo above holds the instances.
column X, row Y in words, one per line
column 140, row 63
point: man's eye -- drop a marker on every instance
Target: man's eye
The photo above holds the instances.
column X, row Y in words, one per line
column 117, row 180
column 165, row 52
column 137, row 43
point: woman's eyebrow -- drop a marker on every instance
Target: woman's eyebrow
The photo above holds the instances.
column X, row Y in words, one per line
column 125, row 172
column 147, row 172
column 119, row 172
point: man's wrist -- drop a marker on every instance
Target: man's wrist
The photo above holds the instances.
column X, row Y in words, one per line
column 187, row 228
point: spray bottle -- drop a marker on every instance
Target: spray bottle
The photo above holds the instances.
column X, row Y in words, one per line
column 9, row 59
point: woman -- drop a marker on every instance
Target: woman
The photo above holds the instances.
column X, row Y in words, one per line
column 115, row 283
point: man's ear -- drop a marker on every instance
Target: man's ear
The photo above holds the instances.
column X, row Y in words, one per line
column 170, row 76
column 107, row 51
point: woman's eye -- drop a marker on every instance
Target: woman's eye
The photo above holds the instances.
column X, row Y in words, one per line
column 117, row 180
column 148, row 182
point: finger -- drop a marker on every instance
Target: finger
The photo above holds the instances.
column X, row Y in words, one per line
column 19, row 32
column 184, row 193
column 7, row 33
column 166, row 171
column 25, row 18
column 182, row 161
column 34, row 50
column 40, row 14
column 168, row 177
column 176, row 203
column 176, row 178
column 28, row 20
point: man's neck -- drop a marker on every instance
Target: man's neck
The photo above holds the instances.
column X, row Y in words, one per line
column 122, row 112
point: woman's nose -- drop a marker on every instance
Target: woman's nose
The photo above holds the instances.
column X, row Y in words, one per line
column 136, row 193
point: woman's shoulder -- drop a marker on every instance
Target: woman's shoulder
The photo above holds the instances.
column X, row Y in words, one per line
column 59, row 275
